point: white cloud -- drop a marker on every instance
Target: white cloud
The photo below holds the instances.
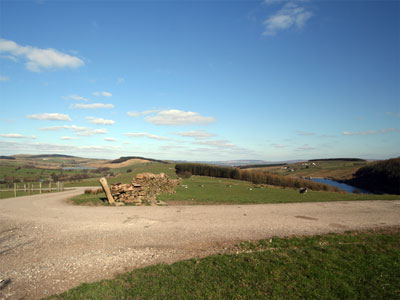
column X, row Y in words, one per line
column 92, row 105
column 79, row 130
column 148, row 135
column 90, row 132
column 140, row 113
column 77, row 98
column 120, row 80
column 198, row 135
column 133, row 114
column 109, row 139
column 178, row 117
column 4, row 78
column 104, row 94
column 100, row 121
column 217, row 143
column 17, row 136
column 40, row 59
column 290, row 15
column 50, row 116
column 54, row 128
column 371, row 132
column 14, row 147
column 69, row 138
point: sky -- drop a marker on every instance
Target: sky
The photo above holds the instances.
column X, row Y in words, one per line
column 200, row 80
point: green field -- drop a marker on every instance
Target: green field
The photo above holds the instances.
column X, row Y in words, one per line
column 208, row 190
column 334, row 266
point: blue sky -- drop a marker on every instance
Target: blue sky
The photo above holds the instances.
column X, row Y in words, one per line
column 201, row 80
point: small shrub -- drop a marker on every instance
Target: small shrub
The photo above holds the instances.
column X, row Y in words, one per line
column 129, row 170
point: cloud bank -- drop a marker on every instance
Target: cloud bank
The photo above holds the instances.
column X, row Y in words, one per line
column 174, row 117
column 50, row 117
column 38, row 59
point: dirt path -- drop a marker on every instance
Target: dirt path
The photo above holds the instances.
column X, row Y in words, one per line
column 48, row 246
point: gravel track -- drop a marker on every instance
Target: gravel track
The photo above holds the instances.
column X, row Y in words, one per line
column 48, row 245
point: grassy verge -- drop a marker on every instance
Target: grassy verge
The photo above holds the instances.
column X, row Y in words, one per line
column 90, row 200
column 348, row 266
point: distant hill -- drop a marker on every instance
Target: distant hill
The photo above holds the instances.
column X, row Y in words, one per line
column 126, row 158
column 341, row 159
column 7, row 157
column 52, row 155
column 244, row 163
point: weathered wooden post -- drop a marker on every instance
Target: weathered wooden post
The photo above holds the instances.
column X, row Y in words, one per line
column 58, row 186
column 49, row 186
column 15, row 190
column 25, row 187
column 106, row 190
column 40, row 187
column 29, row 188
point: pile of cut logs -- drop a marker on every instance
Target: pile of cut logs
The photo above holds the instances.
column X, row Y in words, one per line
column 144, row 189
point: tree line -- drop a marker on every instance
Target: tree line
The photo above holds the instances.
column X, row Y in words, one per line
column 256, row 177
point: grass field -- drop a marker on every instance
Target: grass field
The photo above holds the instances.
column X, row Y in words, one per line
column 340, row 170
column 334, row 266
column 208, row 190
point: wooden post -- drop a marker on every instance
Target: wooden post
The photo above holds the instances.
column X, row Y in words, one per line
column 25, row 187
column 49, row 186
column 58, row 186
column 62, row 186
column 15, row 190
column 29, row 188
column 40, row 187
column 106, row 190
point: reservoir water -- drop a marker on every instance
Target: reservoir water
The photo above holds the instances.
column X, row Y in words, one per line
column 344, row 187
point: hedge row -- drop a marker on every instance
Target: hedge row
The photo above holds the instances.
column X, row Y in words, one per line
column 256, row 177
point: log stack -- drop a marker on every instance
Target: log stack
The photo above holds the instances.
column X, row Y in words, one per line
column 144, row 189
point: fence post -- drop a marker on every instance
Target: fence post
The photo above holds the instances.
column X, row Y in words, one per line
column 25, row 187
column 29, row 188
column 58, row 186
column 62, row 186
column 40, row 187
column 49, row 186
column 15, row 190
